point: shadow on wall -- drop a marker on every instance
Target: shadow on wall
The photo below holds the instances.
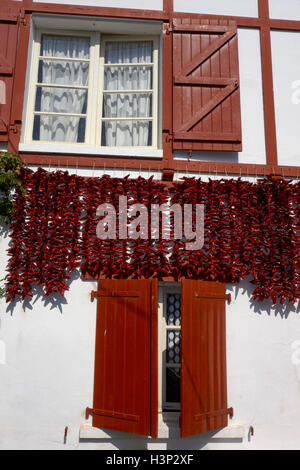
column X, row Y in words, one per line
column 122, row 441
column 56, row 300
column 246, row 288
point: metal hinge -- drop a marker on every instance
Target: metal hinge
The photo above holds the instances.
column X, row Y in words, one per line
column 21, row 18
column 214, row 296
column 13, row 128
column 214, row 414
column 168, row 28
column 168, row 136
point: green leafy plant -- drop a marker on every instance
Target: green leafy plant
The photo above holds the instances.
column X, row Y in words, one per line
column 10, row 167
column 2, row 289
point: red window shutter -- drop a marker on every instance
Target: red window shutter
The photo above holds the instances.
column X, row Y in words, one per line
column 8, row 41
column 206, row 97
column 203, row 374
column 123, row 398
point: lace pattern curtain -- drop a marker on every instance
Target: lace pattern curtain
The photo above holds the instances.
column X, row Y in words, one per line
column 127, row 96
column 61, row 96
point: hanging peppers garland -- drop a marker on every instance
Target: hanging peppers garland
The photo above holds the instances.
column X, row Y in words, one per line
column 249, row 229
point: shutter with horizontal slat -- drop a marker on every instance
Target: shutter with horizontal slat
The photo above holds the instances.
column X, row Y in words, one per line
column 123, row 364
column 206, row 98
column 8, row 41
column 203, row 374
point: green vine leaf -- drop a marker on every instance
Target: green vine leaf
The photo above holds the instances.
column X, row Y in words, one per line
column 2, row 290
column 10, row 168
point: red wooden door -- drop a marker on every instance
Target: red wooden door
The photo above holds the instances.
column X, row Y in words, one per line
column 206, row 99
column 203, row 374
column 124, row 396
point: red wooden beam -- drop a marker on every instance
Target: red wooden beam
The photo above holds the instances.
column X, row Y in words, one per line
column 59, row 8
column 267, row 82
column 19, row 83
column 145, row 164
column 169, row 6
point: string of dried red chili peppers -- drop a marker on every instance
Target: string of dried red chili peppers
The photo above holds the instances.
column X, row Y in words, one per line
column 249, row 229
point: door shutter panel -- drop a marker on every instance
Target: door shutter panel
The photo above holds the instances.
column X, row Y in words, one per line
column 206, row 98
column 8, row 41
column 203, row 374
column 123, row 366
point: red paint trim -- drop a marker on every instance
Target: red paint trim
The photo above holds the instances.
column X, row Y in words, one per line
column 263, row 22
column 126, row 164
column 267, row 82
column 154, row 358
column 19, row 82
column 242, row 21
column 167, row 130
column 99, row 11
column 263, row 9
column 169, row 6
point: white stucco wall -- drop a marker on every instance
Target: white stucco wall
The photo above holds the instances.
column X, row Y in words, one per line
column 285, row 10
column 47, row 370
column 286, row 74
column 218, row 7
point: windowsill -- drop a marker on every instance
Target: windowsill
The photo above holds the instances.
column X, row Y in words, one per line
column 82, row 149
column 168, row 428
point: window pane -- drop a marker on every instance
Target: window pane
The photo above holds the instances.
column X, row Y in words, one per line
column 63, row 73
column 174, row 309
column 65, row 46
column 59, row 129
column 61, row 100
column 126, row 133
column 127, row 105
column 123, row 52
column 173, row 385
column 173, row 347
column 128, row 78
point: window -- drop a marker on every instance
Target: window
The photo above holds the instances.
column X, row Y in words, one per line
column 98, row 90
column 128, row 380
column 169, row 347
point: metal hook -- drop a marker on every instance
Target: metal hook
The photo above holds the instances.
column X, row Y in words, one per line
column 200, row 170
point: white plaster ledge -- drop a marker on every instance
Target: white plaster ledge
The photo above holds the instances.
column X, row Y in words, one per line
column 87, row 432
column 82, row 149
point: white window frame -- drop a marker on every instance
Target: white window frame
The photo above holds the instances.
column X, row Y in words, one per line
column 92, row 144
column 165, row 288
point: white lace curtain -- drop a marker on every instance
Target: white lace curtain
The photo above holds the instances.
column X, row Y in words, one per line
column 125, row 92
column 128, row 82
column 61, row 99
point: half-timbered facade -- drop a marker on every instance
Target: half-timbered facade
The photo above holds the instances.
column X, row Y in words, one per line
column 142, row 344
